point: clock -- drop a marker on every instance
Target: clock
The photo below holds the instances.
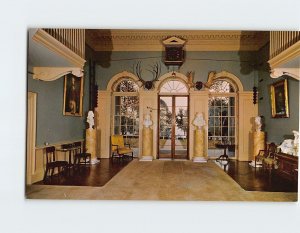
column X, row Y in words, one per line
column 174, row 55
column 174, row 52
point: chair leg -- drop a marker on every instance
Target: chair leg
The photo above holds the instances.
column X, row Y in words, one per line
column 45, row 174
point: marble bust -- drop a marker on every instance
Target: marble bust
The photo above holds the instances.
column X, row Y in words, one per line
column 199, row 121
column 90, row 119
column 147, row 121
column 258, row 124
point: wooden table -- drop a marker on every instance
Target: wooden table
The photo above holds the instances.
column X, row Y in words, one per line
column 70, row 150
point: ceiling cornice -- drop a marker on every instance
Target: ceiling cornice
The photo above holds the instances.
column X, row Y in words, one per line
column 151, row 40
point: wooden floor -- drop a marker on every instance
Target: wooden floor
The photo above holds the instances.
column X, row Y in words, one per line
column 249, row 178
column 91, row 175
column 258, row 179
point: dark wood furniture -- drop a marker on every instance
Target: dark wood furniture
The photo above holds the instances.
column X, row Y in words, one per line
column 71, row 148
column 287, row 166
column 223, row 156
column 266, row 157
column 80, row 153
column 52, row 163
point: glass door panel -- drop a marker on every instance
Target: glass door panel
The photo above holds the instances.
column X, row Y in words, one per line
column 173, row 127
column 165, row 127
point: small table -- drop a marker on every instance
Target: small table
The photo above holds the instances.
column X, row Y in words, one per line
column 70, row 150
column 223, row 156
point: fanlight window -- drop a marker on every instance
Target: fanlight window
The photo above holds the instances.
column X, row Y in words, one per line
column 221, row 86
column 127, row 85
column 173, row 86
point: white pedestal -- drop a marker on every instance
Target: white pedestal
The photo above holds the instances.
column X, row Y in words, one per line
column 199, row 160
column 258, row 164
column 146, row 158
column 95, row 161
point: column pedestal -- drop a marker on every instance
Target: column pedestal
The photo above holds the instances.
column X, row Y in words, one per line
column 91, row 144
column 147, row 147
column 258, row 144
column 199, row 146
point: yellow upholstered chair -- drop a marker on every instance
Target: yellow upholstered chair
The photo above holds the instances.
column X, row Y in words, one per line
column 267, row 157
column 119, row 148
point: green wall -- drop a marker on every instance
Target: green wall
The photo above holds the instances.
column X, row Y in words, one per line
column 52, row 125
column 277, row 129
column 111, row 63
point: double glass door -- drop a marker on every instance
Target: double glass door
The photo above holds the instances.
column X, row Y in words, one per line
column 173, row 127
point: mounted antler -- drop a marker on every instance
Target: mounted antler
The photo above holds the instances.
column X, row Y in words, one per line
column 156, row 70
column 210, row 79
column 138, row 71
column 190, row 76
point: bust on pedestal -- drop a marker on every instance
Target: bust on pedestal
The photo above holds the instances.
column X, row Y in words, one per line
column 258, row 140
column 199, row 123
column 147, row 144
column 91, row 138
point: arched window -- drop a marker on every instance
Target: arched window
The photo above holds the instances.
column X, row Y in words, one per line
column 173, row 86
column 127, row 85
column 222, row 116
column 126, row 112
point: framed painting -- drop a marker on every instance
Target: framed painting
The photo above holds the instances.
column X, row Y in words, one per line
column 73, row 93
column 279, row 99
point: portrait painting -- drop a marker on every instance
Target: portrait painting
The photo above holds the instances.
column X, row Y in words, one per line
column 279, row 99
column 73, row 88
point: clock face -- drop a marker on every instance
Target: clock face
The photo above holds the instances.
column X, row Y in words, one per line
column 174, row 54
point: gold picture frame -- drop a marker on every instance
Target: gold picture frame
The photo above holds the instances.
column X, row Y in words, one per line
column 73, row 94
column 279, row 99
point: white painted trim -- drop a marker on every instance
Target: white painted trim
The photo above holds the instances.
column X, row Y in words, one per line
column 168, row 76
column 53, row 73
column 285, row 56
column 116, row 78
column 31, row 137
column 54, row 45
column 229, row 76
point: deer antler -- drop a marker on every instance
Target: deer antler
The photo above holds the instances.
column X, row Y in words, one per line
column 138, row 71
column 210, row 79
column 156, row 70
column 190, row 76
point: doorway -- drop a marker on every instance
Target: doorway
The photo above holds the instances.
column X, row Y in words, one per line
column 173, row 127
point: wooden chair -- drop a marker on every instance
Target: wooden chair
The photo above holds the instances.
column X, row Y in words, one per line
column 52, row 163
column 118, row 148
column 80, row 154
column 267, row 157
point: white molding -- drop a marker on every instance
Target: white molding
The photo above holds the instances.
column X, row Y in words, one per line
column 169, row 76
column 54, row 45
column 31, row 137
column 53, row 73
column 124, row 74
column 292, row 72
column 232, row 77
column 285, row 56
column 196, row 40
column 174, row 41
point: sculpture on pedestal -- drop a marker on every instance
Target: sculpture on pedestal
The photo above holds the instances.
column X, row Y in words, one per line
column 258, row 124
column 91, row 138
column 199, row 123
column 147, row 121
column 147, row 144
column 90, row 119
column 258, row 141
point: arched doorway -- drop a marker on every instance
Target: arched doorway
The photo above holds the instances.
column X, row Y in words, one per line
column 222, row 120
column 173, row 119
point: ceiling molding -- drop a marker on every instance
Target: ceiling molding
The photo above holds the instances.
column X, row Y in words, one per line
column 152, row 40
column 54, row 45
column 53, row 73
